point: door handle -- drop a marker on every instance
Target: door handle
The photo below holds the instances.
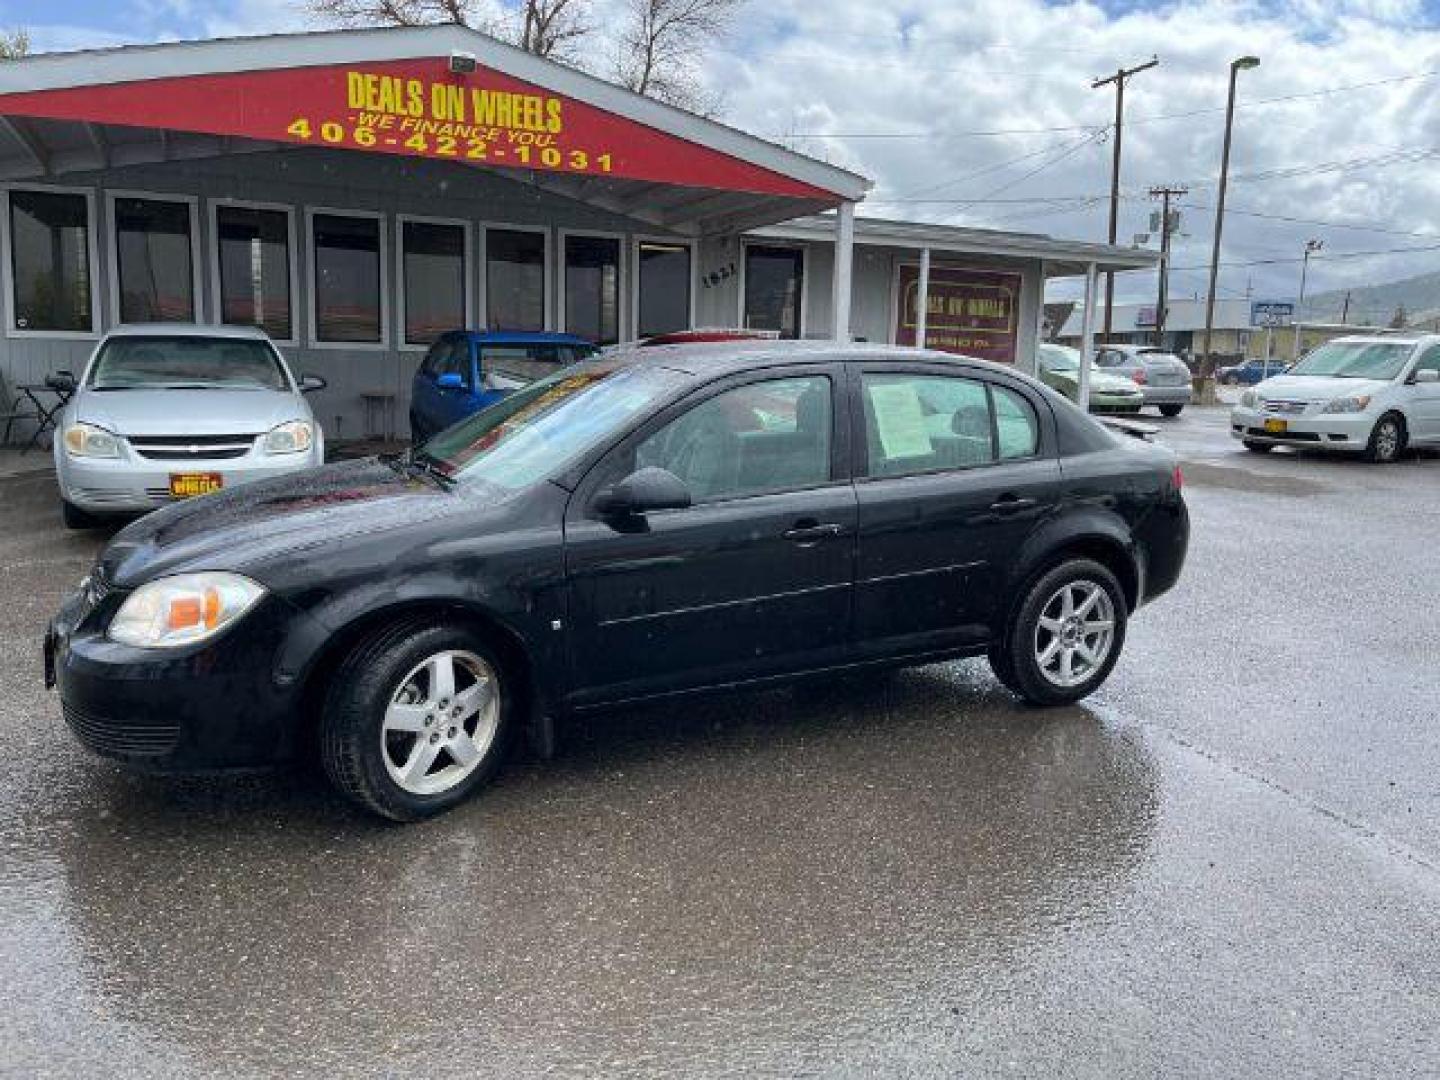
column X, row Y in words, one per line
column 806, row 533
column 1011, row 504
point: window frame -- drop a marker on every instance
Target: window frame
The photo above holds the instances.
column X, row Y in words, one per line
column 112, row 235
column 293, row 259
column 638, row 240
column 467, row 273
column 859, row 436
column 746, row 243
column 7, row 270
column 623, row 333
column 385, row 342
column 482, row 271
column 596, row 472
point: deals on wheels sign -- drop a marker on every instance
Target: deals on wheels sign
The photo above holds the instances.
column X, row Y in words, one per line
column 410, row 107
column 973, row 312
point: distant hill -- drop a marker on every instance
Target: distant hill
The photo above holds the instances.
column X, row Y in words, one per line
column 1375, row 304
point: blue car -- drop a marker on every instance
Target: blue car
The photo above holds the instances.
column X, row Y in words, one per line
column 1251, row 372
column 468, row 370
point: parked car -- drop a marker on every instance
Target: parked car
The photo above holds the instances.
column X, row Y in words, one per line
column 169, row 411
column 1365, row 395
column 1251, row 372
column 659, row 522
column 465, row 371
column 1059, row 369
column 1163, row 378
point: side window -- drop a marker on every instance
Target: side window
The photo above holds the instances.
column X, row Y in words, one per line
column 757, row 438
column 1106, row 358
column 1430, row 360
column 925, row 423
column 1016, row 425
column 455, row 360
column 431, row 364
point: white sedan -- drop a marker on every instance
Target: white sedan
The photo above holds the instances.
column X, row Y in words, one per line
column 1375, row 396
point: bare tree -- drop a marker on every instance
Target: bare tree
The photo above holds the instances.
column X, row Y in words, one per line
column 661, row 45
column 14, row 44
column 550, row 28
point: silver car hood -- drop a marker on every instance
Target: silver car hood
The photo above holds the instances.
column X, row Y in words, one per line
column 1317, row 387
column 188, row 412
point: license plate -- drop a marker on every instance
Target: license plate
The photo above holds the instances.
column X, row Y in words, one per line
column 1277, row 427
column 184, row 485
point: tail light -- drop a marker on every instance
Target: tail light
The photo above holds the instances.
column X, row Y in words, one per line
column 1140, row 376
column 1177, row 478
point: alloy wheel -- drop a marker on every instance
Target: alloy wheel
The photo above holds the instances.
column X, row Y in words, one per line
column 1387, row 440
column 441, row 722
column 1075, row 633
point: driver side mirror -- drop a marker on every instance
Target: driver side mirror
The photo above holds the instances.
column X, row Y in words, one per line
column 62, row 381
column 1426, row 375
column 451, row 380
column 641, row 492
column 310, row 383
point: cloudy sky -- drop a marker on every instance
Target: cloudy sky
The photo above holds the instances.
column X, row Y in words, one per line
column 981, row 112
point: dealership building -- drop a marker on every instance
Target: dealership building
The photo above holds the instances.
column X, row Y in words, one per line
column 356, row 193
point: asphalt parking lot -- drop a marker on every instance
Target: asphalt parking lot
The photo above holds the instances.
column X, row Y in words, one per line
column 1228, row 863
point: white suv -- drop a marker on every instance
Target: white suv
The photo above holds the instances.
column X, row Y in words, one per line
column 1367, row 395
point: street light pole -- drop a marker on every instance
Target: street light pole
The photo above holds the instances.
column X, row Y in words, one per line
column 1207, row 365
column 1311, row 246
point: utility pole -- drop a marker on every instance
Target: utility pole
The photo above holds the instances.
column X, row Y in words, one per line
column 1345, row 311
column 1119, row 80
column 1311, row 246
column 1162, row 302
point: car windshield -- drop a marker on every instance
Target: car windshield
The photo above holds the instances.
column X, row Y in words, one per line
column 1159, row 356
column 181, row 362
column 1355, row 360
column 535, row 432
column 1060, row 360
column 524, row 362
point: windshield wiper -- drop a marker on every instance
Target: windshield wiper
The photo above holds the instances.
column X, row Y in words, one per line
column 419, row 461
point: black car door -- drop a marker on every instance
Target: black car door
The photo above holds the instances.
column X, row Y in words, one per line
column 754, row 578
column 953, row 469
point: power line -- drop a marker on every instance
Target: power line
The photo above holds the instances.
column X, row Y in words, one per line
column 997, row 167
column 1322, row 258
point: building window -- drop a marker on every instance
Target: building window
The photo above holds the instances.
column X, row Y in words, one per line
column 50, row 261
column 514, row 280
column 592, row 288
column 434, row 277
column 664, row 286
column 774, row 286
column 253, row 247
column 347, row 274
column 154, row 260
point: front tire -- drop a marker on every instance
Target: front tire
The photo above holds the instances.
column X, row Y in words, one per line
column 1171, row 410
column 1387, row 441
column 416, row 719
column 1257, row 447
column 1065, row 636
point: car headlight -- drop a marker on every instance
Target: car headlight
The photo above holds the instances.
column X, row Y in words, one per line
column 1250, row 399
column 87, row 440
column 181, row 610
column 292, row 438
column 1354, row 403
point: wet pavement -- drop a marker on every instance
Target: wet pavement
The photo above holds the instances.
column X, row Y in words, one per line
column 1227, row 863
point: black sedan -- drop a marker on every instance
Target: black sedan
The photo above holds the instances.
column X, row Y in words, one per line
column 670, row 520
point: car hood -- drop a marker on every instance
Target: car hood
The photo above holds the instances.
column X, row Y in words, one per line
column 188, row 412
column 1318, row 387
column 240, row 528
column 1099, row 381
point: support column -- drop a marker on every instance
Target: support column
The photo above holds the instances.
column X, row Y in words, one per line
column 1087, row 339
column 922, row 299
column 844, row 264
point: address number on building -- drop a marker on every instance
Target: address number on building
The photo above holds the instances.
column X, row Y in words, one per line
column 524, row 154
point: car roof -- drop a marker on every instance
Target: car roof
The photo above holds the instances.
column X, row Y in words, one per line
column 178, row 329
column 709, row 359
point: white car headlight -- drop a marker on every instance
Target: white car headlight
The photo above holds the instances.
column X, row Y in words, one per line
column 1354, row 403
column 181, row 610
column 87, row 440
column 294, row 437
column 1250, row 399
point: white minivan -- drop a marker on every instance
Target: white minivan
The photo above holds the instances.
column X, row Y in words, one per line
column 1372, row 395
column 170, row 411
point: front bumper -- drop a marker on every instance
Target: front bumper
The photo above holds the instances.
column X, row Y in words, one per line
column 133, row 483
column 218, row 705
column 1345, row 432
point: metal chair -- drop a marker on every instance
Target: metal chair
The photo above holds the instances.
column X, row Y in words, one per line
column 11, row 409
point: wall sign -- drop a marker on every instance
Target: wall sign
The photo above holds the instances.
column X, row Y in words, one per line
column 417, row 108
column 973, row 312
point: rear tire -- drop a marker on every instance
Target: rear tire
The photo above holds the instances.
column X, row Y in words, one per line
column 1257, row 447
column 75, row 518
column 1171, row 410
column 1065, row 636
column 403, row 738
column 1387, row 441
